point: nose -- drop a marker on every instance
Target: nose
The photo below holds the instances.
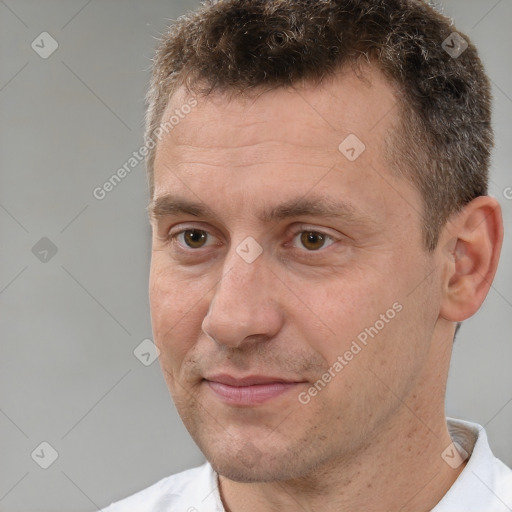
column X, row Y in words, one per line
column 244, row 308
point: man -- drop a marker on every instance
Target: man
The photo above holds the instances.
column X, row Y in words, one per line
column 321, row 225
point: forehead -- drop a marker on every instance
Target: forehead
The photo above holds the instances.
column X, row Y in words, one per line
column 315, row 116
column 284, row 137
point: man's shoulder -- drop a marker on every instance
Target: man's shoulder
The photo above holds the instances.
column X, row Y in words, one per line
column 192, row 490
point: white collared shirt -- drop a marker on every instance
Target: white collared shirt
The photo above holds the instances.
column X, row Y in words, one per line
column 485, row 484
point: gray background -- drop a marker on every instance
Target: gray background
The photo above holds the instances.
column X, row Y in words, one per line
column 69, row 325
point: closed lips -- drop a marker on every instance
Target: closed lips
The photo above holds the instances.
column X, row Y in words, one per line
column 247, row 391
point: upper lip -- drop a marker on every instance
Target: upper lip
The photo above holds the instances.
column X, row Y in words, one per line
column 250, row 380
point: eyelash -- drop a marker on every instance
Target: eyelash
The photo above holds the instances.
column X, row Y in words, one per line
column 172, row 239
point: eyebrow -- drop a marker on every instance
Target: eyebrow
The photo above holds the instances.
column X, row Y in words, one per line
column 314, row 205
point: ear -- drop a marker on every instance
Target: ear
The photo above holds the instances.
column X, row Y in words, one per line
column 470, row 246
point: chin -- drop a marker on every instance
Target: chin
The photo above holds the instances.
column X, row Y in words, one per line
column 239, row 472
column 249, row 465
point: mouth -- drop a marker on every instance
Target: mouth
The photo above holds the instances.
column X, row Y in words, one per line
column 250, row 390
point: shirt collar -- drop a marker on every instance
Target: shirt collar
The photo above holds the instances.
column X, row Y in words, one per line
column 481, row 484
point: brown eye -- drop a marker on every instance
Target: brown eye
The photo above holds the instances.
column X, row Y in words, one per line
column 194, row 238
column 312, row 240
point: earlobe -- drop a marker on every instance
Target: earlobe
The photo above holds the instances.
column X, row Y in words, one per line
column 470, row 247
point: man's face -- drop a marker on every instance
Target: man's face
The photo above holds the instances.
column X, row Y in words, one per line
column 251, row 309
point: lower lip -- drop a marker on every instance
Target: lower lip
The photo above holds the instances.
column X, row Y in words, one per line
column 250, row 395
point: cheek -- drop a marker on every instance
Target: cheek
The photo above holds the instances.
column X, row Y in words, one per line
column 175, row 317
column 373, row 323
column 347, row 305
column 173, row 297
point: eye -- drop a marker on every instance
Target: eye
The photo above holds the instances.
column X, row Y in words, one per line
column 192, row 238
column 313, row 240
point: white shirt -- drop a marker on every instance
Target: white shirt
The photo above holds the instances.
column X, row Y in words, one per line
column 485, row 484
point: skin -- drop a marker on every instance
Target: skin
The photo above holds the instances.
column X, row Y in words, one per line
column 374, row 435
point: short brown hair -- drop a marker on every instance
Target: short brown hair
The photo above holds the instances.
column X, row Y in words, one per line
column 444, row 140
